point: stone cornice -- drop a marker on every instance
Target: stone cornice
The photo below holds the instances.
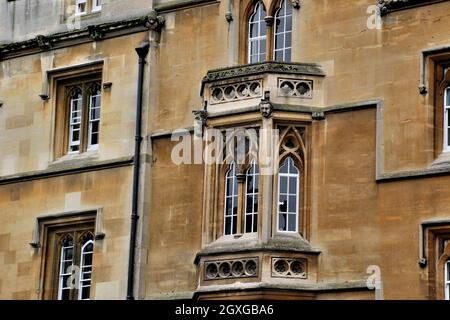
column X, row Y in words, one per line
column 40, row 43
column 175, row 5
column 260, row 68
column 67, row 168
column 387, row 6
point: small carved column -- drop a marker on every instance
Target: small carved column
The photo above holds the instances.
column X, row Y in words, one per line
column 267, row 159
column 241, row 202
column 269, row 25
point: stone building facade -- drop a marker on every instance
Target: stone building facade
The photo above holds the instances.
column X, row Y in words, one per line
column 113, row 114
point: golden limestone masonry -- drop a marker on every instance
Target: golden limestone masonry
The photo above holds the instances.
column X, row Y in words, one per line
column 224, row 149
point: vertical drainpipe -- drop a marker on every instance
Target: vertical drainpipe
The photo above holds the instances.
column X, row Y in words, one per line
column 142, row 52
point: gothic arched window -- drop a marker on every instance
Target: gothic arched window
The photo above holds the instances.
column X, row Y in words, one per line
column 84, row 106
column 269, row 33
column 288, row 196
column 283, row 32
column 257, row 40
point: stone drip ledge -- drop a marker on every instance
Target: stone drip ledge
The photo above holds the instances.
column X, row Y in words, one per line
column 413, row 174
column 315, row 287
column 285, row 244
column 317, row 113
column 67, row 168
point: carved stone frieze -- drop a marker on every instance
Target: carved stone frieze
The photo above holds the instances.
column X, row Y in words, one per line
column 228, row 269
column 289, row 268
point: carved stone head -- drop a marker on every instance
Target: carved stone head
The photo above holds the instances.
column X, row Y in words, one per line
column 265, row 107
column 154, row 21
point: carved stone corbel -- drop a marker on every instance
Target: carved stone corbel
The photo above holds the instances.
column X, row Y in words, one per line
column 383, row 6
column 423, row 89
column 296, row 4
column 153, row 21
column 95, row 33
column 43, row 42
column 201, row 117
column 318, row 116
column 229, row 16
column 266, row 108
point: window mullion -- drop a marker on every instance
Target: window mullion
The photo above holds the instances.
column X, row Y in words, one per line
column 241, row 202
column 85, row 119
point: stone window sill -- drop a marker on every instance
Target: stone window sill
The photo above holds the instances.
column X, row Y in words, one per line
column 76, row 157
column 443, row 160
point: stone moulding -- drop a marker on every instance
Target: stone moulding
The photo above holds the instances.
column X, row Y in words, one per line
column 182, row 4
column 387, row 6
column 260, row 68
column 151, row 21
column 46, row 221
column 305, row 287
column 62, row 169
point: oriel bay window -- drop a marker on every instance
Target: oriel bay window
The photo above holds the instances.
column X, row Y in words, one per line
column 78, row 116
column 269, row 35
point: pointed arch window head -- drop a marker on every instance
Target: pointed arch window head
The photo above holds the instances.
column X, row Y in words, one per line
column 231, row 201
column 288, row 196
column 257, row 39
column 283, row 32
column 252, row 198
